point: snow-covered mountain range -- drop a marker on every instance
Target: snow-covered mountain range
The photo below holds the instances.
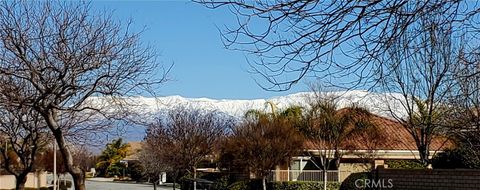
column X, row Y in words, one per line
column 377, row 103
column 146, row 109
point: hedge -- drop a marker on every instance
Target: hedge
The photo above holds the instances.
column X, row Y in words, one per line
column 246, row 185
column 460, row 157
column 404, row 164
column 287, row 185
column 293, row 185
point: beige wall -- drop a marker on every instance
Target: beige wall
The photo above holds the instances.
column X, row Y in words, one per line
column 34, row 180
column 348, row 168
column 7, row 182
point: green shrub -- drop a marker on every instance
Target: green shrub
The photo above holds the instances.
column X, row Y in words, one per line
column 333, row 186
column 239, row 185
column 286, row 185
column 222, row 183
column 246, row 185
column 349, row 182
column 459, row 157
column 186, row 181
column 300, row 185
column 404, row 164
column 136, row 170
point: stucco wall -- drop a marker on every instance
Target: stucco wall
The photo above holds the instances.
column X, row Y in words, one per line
column 7, row 182
column 34, row 180
column 348, row 168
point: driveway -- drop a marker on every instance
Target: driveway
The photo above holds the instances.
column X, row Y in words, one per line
column 97, row 185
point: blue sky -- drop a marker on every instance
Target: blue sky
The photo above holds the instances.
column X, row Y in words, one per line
column 186, row 34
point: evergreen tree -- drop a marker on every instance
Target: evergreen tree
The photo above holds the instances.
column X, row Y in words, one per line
column 109, row 161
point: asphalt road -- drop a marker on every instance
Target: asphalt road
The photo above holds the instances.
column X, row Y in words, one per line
column 96, row 185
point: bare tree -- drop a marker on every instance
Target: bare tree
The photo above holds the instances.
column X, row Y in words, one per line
column 329, row 130
column 66, row 56
column 151, row 157
column 261, row 143
column 84, row 158
column 184, row 138
column 420, row 73
column 465, row 118
column 291, row 39
column 370, row 136
column 45, row 161
column 22, row 131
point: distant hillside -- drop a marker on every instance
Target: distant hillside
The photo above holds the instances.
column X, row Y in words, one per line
column 375, row 102
column 149, row 108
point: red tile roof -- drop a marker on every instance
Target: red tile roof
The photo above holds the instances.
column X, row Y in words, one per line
column 133, row 150
column 391, row 135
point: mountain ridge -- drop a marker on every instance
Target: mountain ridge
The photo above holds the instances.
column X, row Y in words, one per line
column 147, row 109
column 377, row 103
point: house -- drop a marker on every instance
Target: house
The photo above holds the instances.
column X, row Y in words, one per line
column 359, row 153
column 133, row 155
column 133, row 151
column 35, row 180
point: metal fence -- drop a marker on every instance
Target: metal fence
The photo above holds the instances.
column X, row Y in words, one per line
column 307, row 175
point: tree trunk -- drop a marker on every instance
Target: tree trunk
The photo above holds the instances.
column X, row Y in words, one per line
column 325, row 179
column 20, row 186
column 174, row 182
column 77, row 174
column 424, row 154
column 78, row 179
column 154, row 185
column 194, row 178
column 264, row 182
column 20, row 181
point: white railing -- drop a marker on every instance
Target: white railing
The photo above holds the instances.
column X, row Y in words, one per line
column 307, row 175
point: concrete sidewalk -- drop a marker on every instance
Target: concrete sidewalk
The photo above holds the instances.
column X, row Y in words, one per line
column 106, row 185
column 100, row 179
